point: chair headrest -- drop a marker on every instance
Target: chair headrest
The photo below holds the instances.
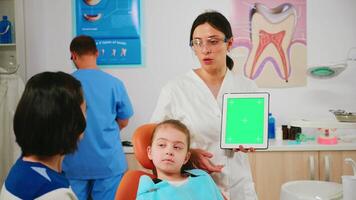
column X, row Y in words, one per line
column 141, row 140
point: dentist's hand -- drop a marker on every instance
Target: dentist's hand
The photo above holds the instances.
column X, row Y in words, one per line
column 242, row 149
column 201, row 160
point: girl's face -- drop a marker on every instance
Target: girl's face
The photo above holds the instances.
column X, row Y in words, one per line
column 211, row 47
column 169, row 150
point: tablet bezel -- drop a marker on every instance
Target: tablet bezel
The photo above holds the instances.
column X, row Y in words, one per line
column 226, row 96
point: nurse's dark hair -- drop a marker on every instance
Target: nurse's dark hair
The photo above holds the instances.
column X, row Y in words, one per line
column 217, row 21
column 178, row 125
column 48, row 120
column 83, row 45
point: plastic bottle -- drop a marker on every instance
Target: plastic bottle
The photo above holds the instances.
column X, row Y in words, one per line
column 5, row 30
column 271, row 126
column 11, row 64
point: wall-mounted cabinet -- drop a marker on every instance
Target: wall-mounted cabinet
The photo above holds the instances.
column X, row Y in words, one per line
column 15, row 51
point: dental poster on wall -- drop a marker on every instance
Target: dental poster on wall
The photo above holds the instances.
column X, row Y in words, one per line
column 115, row 26
column 270, row 41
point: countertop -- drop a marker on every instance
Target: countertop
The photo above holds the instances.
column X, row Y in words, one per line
column 291, row 145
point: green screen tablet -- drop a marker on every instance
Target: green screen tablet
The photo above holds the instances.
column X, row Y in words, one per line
column 245, row 120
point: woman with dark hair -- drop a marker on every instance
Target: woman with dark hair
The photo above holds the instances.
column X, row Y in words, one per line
column 48, row 122
column 196, row 100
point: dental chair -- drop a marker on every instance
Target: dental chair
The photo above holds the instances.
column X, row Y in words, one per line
column 129, row 184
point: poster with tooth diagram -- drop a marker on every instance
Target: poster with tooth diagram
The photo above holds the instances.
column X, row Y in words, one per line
column 270, row 42
column 115, row 26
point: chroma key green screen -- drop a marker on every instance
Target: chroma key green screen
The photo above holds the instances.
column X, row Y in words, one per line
column 245, row 120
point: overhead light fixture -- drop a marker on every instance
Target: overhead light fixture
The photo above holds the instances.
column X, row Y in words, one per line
column 332, row 69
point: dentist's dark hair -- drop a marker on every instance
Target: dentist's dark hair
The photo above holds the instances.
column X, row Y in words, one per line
column 219, row 22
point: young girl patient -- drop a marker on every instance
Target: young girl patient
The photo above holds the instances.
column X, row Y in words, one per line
column 169, row 152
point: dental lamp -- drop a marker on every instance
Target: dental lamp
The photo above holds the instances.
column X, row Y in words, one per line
column 332, row 69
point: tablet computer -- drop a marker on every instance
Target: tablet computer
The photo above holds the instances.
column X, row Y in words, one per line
column 244, row 120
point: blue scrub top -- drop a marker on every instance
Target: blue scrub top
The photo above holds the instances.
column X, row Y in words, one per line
column 100, row 153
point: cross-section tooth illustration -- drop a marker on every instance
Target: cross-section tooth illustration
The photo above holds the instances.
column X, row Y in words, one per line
column 271, row 35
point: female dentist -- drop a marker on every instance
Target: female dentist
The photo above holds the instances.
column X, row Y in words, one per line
column 196, row 98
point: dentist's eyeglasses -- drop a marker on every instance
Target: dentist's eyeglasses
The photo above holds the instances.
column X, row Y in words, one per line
column 211, row 43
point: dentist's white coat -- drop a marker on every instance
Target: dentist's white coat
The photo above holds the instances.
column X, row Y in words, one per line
column 188, row 99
